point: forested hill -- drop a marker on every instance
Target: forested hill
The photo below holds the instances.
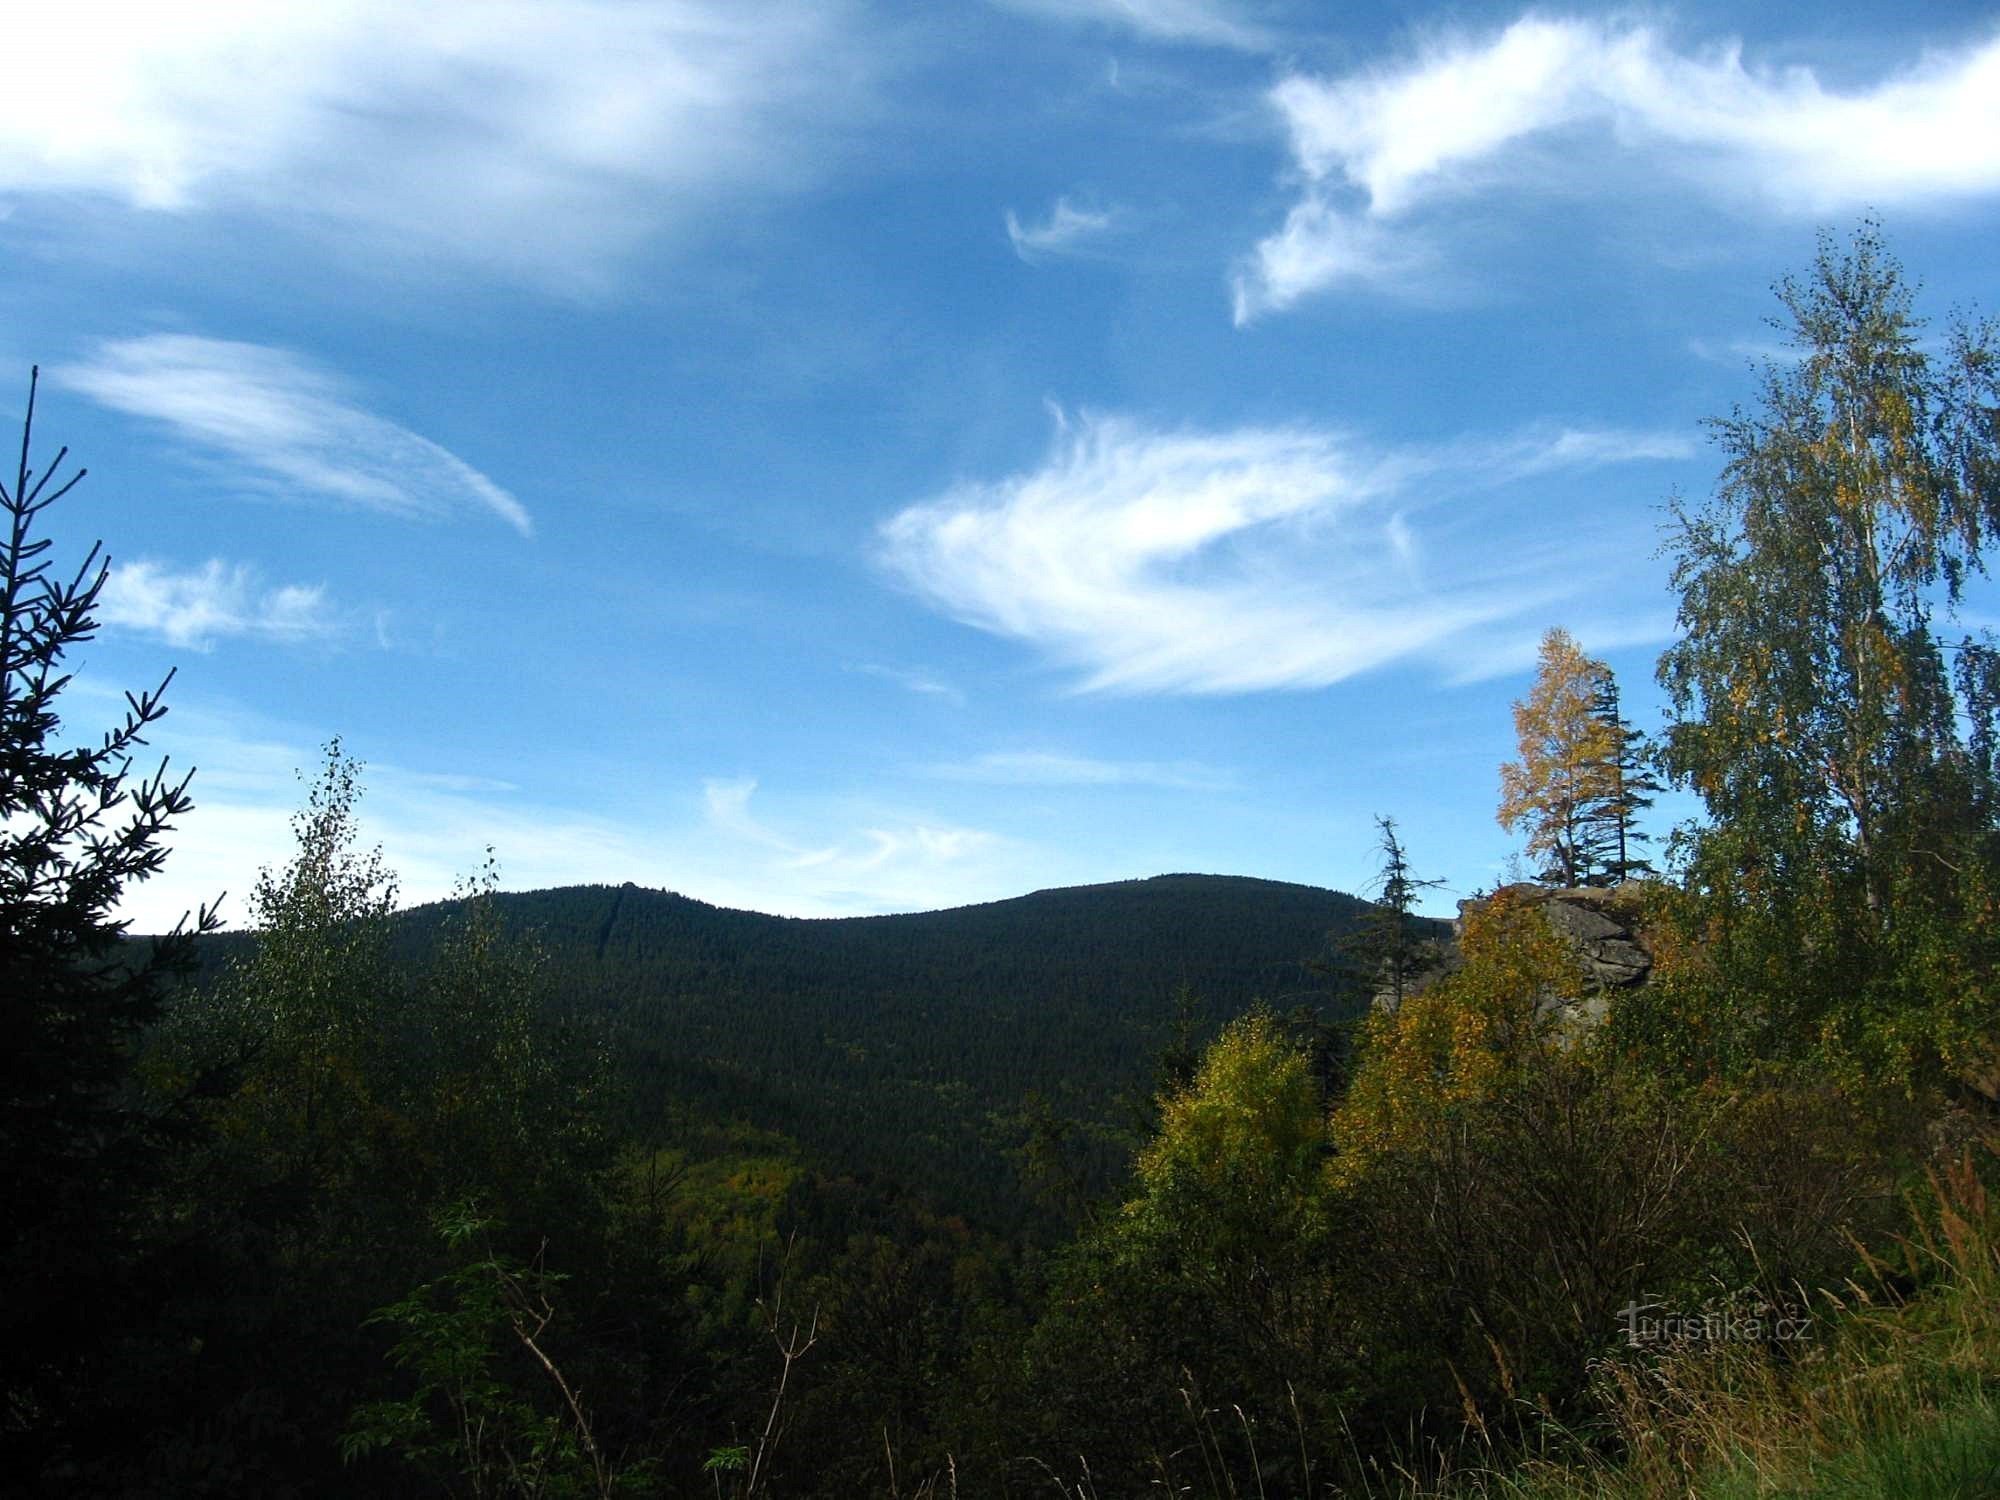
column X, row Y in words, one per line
column 908, row 1045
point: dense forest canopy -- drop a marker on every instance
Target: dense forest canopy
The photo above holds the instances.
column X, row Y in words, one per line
column 1212, row 1185
column 919, row 1046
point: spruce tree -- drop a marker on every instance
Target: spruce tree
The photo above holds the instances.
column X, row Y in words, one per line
column 76, row 828
column 1611, row 833
column 1385, row 948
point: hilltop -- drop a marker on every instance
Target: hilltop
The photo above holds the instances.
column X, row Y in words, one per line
column 909, row 1046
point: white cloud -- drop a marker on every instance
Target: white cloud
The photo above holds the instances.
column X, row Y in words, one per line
column 905, row 858
column 1513, row 652
column 924, row 684
column 533, row 136
column 1321, row 247
column 826, row 859
column 727, row 802
column 1207, row 23
column 289, row 425
column 1738, row 352
column 1546, row 450
column 195, row 607
column 1066, row 228
column 1044, row 768
column 1189, row 562
column 1379, row 146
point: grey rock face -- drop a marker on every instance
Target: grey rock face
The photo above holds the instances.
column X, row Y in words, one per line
column 1608, row 946
column 1599, row 925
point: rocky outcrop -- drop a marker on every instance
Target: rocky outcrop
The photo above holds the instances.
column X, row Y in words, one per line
column 1602, row 926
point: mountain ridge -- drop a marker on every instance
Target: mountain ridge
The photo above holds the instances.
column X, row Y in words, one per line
column 1038, row 893
column 915, row 1046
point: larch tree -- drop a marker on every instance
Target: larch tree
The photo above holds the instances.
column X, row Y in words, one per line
column 1564, row 776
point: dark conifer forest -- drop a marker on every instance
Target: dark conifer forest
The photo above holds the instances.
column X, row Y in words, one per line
column 1669, row 1171
column 924, row 1048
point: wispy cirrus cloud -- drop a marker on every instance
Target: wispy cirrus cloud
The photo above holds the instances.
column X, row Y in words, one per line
column 924, row 684
column 883, row 864
column 1738, row 352
column 195, row 607
column 1063, row 231
column 1512, row 652
column 1382, row 149
column 1155, row 561
column 1204, row 23
column 727, row 803
column 1048, row 769
column 823, row 858
column 1323, row 246
column 1550, row 448
column 285, row 425
column 534, row 137
column 1103, row 558
column 863, row 851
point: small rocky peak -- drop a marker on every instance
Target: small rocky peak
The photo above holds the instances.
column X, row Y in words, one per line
column 1601, row 923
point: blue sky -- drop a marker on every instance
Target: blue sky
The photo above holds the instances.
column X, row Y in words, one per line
column 833, row 458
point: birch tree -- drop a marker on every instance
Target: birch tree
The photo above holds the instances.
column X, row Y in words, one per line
column 1838, row 726
column 1817, row 704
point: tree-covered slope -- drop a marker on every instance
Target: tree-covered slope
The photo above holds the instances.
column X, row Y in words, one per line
column 909, row 1045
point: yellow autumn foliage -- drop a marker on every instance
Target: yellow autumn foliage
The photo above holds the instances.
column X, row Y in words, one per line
column 1568, row 758
column 1246, row 1133
column 1459, row 1041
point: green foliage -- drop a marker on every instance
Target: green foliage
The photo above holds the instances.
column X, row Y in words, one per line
column 731, row 1458
column 307, row 1006
column 907, row 1047
column 473, row 1424
column 1220, row 1280
column 1240, row 1149
column 1610, row 836
column 515, row 1095
column 1390, row 944
column 1849, row 862
column 448, row 1079
column 347, row 1095
column 78, row 1152
column 919, row 1321
column 1890, row 1393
